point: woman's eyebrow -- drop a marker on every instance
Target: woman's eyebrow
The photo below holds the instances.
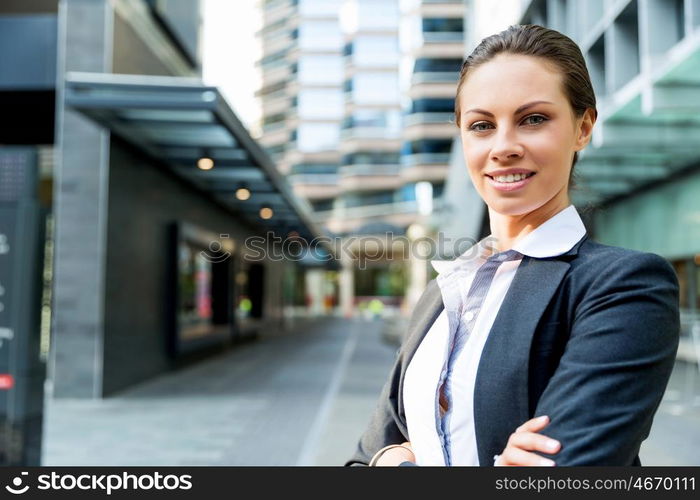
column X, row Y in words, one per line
column 517, row 111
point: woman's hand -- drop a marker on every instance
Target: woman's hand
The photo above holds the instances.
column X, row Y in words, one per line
column 525, row 438
column 395, row 456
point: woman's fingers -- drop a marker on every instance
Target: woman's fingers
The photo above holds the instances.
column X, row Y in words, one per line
column 533, row 441
column 516, row 456
column 534, row 424
column 526, row 438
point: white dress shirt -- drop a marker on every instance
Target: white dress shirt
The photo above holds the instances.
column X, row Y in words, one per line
column 554, row 237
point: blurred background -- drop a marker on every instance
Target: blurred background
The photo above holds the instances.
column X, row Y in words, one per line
column 145, row 143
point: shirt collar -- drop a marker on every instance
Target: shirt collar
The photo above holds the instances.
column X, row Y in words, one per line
column 556, row 236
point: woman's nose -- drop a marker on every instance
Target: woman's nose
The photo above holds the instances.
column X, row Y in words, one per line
column 506, row 147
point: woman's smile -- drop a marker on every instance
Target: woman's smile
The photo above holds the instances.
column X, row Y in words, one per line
column 510, row 182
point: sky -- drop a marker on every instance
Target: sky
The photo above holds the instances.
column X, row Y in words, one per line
column 229, row 52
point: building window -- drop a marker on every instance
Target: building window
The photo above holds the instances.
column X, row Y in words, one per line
column 320, row 103
column 364, row 199
column 320, row 35
column 314, row 168
column 427, row 146
column 442, row 65
column 316, row 137
column 429, row 105
column 311, row 8
column 390, row 120
column 376, row 88
column 443, row 24
column 320, row 69
column 371, row 158
column 322, row 205
column 376, row 50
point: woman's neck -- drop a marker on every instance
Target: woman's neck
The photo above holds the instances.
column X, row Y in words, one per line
column 509, row 229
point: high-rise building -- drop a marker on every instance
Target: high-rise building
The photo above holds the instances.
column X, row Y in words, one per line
column 380, row 171
column 332, row 118
column 370, row 136
column 302, row 101
column 433, row 46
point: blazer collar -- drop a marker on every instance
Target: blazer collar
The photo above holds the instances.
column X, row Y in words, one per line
column 505, row 358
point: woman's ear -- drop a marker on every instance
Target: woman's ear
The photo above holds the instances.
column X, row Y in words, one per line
column 584, row 130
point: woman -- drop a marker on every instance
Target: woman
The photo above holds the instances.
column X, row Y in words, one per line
column 537, row 346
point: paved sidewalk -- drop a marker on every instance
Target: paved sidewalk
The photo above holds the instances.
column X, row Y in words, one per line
column 299, row 398
column 675, row 434
column 296, row 398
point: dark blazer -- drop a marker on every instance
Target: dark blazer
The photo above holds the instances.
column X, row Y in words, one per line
column 588, row 337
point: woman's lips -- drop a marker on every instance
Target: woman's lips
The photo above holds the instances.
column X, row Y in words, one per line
column 509, row 186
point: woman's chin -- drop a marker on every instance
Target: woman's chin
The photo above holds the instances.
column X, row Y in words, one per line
column 512, row 207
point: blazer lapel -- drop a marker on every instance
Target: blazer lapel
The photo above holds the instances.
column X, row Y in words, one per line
column 501, row 386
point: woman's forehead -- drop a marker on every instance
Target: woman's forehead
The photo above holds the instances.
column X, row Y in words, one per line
column 513, row 80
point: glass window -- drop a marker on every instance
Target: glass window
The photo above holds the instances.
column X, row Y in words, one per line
column 320, row 35
column 320, row 103
column 391, row 120
column 321, row 69
column 433, row 105
column 322, row 205
column 372, row 158
column 376, row 51
column 314, row 168
column 319, row 7
column 430, row 64
column 376, row 88
column 438, row 189
column 407, row 192
column 373, row 198
column 274, row 59
column 378, row 14
column 279, row 117
column 428, row 146
column 315, row 137
column 442, row 24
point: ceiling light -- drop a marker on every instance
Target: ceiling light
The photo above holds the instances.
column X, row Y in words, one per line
column 205, row 163
column 266, row 213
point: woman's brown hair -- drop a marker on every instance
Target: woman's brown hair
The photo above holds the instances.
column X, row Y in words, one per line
column 545, row 43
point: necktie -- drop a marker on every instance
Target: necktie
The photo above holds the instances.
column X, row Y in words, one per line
column 462, row 311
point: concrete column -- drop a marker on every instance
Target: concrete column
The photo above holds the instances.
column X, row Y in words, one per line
column 80, row 209
column 417, row 266
column 347, row 288
column 315, row 291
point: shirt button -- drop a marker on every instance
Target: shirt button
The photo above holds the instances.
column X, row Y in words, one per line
column 469, row 316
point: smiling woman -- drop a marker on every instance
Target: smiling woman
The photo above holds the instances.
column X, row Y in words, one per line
column 537, row 327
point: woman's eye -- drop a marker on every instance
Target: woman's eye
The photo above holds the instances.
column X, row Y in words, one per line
column 536, row 117
column 529, row 120
column 478, row 126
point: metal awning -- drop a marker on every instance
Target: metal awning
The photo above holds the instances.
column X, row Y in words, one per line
column 178, row 121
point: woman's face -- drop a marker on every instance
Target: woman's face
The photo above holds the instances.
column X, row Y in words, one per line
column 515, row 118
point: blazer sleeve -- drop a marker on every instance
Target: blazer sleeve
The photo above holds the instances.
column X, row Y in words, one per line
column 617, row 362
